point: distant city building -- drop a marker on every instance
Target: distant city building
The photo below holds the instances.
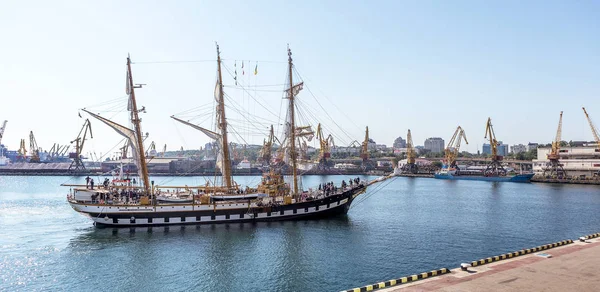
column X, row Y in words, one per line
column 520, row 148
column 531, row 146
column 399, row 143
column 349, row 150
column 582, row 144
column 372, row 145
column 502, row 149
column 434, row 144
column 419, row 149
column 380, row 147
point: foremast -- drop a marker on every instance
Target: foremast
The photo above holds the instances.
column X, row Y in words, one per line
column 292, row 129
column 134, row 137
column 135, row 120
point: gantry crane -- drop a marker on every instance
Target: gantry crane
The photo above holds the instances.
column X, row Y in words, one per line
column 325, row 145
column 594, row 130
column 22, row 151
column 77, row 163
column 33, row 149
column 494, row 168
column 451, row 152
column 553, row 166
column 411, row 156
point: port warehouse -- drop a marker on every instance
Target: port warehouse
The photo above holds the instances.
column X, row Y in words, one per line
column 164, row 165
column 581, row 162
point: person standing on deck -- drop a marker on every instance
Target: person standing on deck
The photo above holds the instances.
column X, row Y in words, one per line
column 87, row 182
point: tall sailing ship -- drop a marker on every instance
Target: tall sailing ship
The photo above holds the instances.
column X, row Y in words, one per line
column 121, row 203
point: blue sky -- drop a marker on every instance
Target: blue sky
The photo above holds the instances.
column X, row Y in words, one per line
column 427, row 66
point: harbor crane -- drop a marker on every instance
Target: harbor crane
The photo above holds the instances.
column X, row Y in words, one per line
column 64, row 150
column 411, row 156
column 162, row 154
column 326, row 144
column 494, row 168
column 53, row 153
column 2, row 134
column 2, row 130
column 451, row 152
column 594, row 130
column 151, row 152
column 266, row 151
column 553, row 166
column 77, row 163
column 124, row 149
column 33, row 149
column 22, row 151
column 364, row 150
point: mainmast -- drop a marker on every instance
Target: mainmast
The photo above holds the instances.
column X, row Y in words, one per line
column 222, row 125
column 135, row 119
column 292, row 131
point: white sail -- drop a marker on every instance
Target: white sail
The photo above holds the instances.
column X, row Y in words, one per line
column 207, row 132
column 129, row 134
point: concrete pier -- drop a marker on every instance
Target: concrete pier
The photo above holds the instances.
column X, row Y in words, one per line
column 573, row 267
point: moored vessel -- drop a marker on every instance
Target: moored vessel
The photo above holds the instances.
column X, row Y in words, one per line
column 493, row 171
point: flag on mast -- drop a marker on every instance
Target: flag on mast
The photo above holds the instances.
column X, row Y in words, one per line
column 256, row 69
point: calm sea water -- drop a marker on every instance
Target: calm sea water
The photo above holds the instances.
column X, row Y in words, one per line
column 396, row 229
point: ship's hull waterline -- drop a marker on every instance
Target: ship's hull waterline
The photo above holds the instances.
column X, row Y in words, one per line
column 188, row 214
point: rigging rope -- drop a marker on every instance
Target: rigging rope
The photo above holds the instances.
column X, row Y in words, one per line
column 378, row 188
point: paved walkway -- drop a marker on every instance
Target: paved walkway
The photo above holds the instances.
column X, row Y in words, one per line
column 575, row 267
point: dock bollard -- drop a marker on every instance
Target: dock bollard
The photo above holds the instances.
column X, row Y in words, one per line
column 464, row 266
column 582, row 239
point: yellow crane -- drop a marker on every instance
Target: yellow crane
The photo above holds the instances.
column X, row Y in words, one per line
column 594, row 130
column 22, row 151
column 553, row 165
column 77, row 163
column 451, row 152
column 325, row 143
column 266, row 151
column 494, row 168
column 364, row 150
column 411, row 156
column 33, row 149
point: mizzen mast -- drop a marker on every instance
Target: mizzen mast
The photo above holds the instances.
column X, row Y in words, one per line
column 135, row 119
column 222, row 125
